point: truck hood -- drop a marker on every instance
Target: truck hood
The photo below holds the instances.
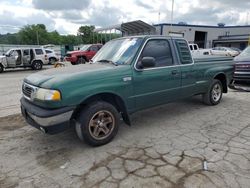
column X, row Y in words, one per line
column 1, row 56
column 56, row 75
column 75, row 52
column 242, row 58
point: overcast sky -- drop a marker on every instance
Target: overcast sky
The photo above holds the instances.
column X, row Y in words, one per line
column 66, row 16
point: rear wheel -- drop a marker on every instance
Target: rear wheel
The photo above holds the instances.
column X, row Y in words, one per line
column 1, row 68
column 214, row 94
column 81, row 60
column 37, row 65
column 98, row 123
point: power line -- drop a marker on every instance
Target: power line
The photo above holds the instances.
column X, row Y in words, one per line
column 11, row 26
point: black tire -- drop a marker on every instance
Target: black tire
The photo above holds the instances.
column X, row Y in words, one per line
column 52, row 60
column 37, row 65
column 1, row 68
column 91, row 120
column 214, row 93
column 81, row 60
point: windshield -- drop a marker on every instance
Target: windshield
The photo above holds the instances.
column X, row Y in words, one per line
column 85, row 47
column 119, row 51
column 8, row 52
column 245, row 52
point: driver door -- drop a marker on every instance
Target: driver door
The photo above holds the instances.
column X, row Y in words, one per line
column 159, row 84
column 11, row 58
column 92, row 51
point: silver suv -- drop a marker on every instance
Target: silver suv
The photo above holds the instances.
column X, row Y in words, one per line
column 24, row 57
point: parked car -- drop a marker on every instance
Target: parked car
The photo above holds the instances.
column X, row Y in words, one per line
column 52, row 56
column 26, row 57
column 224, row 51
column 196, row 51
column 83, row 55
column 127, row 75
column 236, row 49
column 241, row 77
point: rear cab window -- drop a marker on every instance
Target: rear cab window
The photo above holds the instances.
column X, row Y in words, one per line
column 183, row 52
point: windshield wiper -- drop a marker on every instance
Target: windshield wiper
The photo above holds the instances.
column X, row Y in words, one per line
column 107, row 61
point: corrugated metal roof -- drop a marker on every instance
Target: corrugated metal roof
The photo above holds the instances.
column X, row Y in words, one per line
column 134, row 27
column 137, row 26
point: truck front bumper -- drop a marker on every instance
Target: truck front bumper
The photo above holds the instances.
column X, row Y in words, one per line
column 49, row 121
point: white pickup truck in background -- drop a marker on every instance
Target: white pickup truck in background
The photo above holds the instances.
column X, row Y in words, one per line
column 196, row 51
column 218, row 51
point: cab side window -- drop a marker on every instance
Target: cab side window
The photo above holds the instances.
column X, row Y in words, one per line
column 94, row 48
column 26, row 52
column 160, row 50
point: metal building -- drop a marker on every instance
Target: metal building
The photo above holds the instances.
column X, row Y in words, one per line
column 208, row 36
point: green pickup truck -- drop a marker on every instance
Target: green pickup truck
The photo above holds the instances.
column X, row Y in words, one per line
column 127, row 75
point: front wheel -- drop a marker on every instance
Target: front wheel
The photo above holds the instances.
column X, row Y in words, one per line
column 81, row 60
column 1, row 68
column 214, row 94
column 98, row 123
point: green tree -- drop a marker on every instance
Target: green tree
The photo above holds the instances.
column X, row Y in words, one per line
column 9, row 39
column 34, row 34
column 86, row 32
column 54, row 38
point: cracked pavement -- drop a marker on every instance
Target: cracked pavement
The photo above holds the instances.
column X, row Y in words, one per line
column 11, row 89
column 165, row 147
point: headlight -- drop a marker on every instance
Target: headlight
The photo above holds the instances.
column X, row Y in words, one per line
column 46, row 94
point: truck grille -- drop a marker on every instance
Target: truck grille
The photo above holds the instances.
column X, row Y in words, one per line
column 242, row 67
column 28, row 90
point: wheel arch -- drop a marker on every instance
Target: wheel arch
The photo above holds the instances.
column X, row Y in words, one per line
column 82, row 56
column 223, row 79
column 52, row 58
column 111, row 98
column 34, row 60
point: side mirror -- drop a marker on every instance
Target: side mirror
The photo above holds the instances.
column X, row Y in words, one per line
column 148, row 62
column 3, row 54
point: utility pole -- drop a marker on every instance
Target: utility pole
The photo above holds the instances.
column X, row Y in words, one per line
column 247, row 18
column 37, row 37
column 172, row 15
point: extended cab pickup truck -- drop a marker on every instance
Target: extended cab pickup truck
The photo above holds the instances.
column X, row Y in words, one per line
column 127, row 75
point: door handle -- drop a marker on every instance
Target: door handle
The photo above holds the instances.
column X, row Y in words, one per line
column 174, row 72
